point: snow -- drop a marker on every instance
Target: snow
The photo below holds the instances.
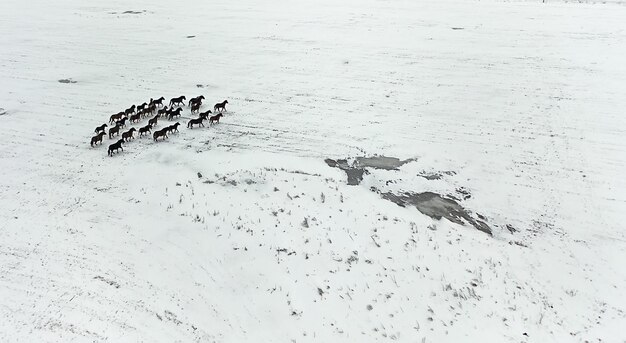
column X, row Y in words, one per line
column 518, row 103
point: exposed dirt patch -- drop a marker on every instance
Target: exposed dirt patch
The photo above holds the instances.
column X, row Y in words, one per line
column 355, row 174
column 437, row 207
column 67, row 81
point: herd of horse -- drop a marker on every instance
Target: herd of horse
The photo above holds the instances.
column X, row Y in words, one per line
column 156, row 108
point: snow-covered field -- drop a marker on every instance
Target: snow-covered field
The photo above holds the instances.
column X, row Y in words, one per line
column 242, row 233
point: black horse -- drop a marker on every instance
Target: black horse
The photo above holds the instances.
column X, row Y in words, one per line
column 145, row 130
column 205, row 115
column 197, row 121
column 142, row 106
column 158, row 102
column 174, row 113
column 196, row 100
column 130, row 110
column 215, row 119
column 128, row 134
column 178, row 101
column 97, row 138
column 220, row 106
column 100, row 128
column 114, row 130
column 115, row 146
column 173, row 127
column 160, row 133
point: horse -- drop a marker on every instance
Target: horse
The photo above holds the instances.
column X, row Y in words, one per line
column 159, row 101
column 130, row 110
column 153, row 121
column 128, row 134
column 174, row 113
column 152, row 108
column 160, row 133
column 220, row 106
column 205, row 115
column 135, row 118
column 177, row 101
column 115, row 117
column 144, row 112
column 197, row 121
column 115, row 146
column 195, row 107
column 114, row 130
column 162, row 111
column 215, row 119
column 100, row 128
column 145, row 129
column 195, row 100
column 121, row 122
column 141, row 107
column 173, row 127
column 97, row 138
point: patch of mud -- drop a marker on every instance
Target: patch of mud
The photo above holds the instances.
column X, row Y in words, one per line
column 191, row 36
column 437, row 207
column 355, row 174
column 67, row 81
column 3, row 111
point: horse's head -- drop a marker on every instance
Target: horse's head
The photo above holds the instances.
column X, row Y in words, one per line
column 183, row 97
column 225, row 101
column 201, row 97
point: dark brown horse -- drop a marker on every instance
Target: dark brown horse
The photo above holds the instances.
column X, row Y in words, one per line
column 97, row 138
column 135, row 118
column 115, row 117
column 162, row 111
column 114, row 130
column 153, row 121
column 197, row 121
column 100, row 128
column 220, row 106
column 174, row 113
column 215, row 119
column 152, row 108
column 115, row 146
column 128, row 134
column 142, row 106
column 178, row 101
column 160, row 133
column 121, row 122
column 145, row 130
column 195, row 107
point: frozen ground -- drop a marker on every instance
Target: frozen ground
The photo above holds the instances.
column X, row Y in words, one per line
column 518, row 105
